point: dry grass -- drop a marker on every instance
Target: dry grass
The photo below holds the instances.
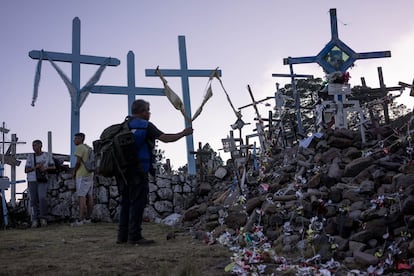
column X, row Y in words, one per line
column 91, row 250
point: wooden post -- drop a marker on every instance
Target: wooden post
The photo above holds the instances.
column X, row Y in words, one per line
column 296, row 97
column 13, row 172
column 384, row 91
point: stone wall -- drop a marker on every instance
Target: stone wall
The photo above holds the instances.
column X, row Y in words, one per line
column 168, row 194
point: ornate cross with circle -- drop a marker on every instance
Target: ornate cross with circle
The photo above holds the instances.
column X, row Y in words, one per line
column 336, row 55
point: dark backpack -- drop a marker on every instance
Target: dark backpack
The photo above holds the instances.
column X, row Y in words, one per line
column 89, row 163
column 115, row 151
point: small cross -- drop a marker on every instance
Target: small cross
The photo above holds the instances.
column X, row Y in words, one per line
column 383, row 91
column 339, row 92
column 184, row 73
column 336, row 55
column 259, row 124
column 292, row 77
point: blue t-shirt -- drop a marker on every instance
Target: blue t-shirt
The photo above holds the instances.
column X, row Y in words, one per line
column 145, row 134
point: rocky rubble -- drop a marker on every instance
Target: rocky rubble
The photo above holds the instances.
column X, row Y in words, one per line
column 335, row 206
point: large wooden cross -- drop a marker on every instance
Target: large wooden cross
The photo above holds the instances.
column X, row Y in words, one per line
column 184, row 73
column 336, row 55
column 76, row 59
column 131, row 90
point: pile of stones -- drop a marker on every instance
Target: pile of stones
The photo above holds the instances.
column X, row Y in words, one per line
column 336, row 204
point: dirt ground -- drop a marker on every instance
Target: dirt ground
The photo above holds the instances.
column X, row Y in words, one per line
column 60, row 249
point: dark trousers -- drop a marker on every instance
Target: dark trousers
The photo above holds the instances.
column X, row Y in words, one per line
column 134, row 198
column 38, row 201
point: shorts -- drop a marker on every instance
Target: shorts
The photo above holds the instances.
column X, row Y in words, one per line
column 84, row 185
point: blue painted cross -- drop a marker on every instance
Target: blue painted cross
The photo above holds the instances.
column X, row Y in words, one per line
column 184, row 73
column 76, row 59
column 131, row 90
column 336, row 55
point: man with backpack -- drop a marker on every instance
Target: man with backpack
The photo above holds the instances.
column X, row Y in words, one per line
column 133, row 183
column 84, row 179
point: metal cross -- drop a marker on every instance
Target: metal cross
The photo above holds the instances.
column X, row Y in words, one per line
column 336, row 55
column 184, row 73
column 76, row 59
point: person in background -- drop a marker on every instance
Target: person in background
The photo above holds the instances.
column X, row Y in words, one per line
column 134, row 193
column 37, row 165
column 84, row 181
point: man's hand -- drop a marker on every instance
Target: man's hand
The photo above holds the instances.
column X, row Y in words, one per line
column 172, row 137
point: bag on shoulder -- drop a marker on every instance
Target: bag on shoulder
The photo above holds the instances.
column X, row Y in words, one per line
column 41, row 176
column 115, row 151
column 90, row 161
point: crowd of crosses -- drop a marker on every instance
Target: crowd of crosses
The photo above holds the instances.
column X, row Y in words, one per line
column 332, row 110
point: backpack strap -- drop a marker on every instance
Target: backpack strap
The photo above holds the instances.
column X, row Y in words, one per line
column 120, row 170
column 88, row 148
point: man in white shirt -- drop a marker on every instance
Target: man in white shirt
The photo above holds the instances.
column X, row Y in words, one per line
column 37, row 166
